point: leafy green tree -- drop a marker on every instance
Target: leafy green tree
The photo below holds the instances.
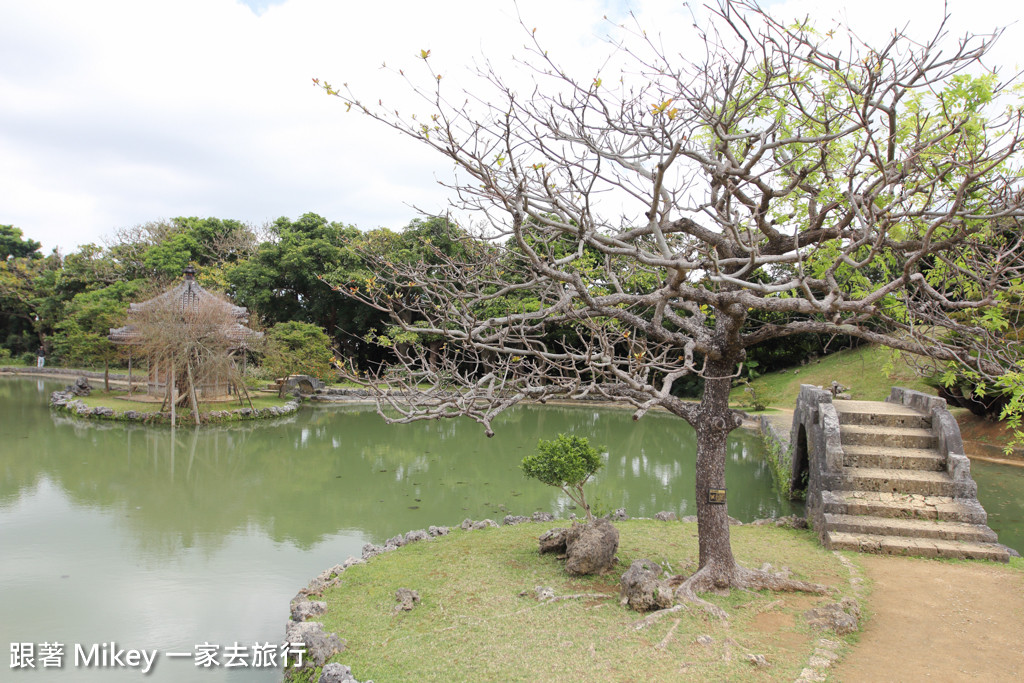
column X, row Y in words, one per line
column 293, row 276
column 422, row 243
column 295, row 347
column 167, row 247
column 21, row 265
column 168, row 259
column 14, row 245
column 17, row 304
column 567, row 463
column 88, row 268
column 994, row 398
column 37, row 291
column 281, row 281
column 80, row 338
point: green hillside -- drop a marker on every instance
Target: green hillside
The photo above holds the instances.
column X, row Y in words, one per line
column 868, row 371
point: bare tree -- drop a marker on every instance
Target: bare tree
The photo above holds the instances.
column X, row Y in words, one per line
column 190, row 336
column 657, row 225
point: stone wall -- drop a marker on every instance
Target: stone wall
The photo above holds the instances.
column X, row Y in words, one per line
column 947, row 431
column 68, row 401
column 817, row 449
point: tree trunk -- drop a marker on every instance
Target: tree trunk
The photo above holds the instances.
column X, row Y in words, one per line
column 405, row 316
column 192, row 394
column 167, row 386
column 106, row 375
column 248, row 398
column 713, row 427
column 435, row 353
column 718, row 568
column 174, row 397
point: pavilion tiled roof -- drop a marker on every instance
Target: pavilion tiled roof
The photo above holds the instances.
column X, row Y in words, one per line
column 187, row 297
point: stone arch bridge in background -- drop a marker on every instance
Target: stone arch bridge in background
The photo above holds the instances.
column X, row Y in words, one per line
column 888, row 477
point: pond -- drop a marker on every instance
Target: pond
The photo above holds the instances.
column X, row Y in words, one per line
column 158, row 539
column 1001, row 493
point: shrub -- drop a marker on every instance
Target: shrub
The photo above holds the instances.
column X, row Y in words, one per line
column 566, row 463
column 756, row 397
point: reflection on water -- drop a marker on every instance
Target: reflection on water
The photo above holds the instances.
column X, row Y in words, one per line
column 160, row 538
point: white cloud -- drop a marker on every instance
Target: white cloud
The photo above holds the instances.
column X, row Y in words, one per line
column 116, row 112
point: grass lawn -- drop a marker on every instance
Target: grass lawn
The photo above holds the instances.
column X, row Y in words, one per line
column 479, row 619
column 15, row 363
column 869, row 372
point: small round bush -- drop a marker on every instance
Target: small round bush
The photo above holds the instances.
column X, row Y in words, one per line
column 567, row 463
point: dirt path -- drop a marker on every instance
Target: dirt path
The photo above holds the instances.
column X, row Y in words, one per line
column 938, row 621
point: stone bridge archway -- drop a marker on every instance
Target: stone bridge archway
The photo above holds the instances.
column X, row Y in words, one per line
column 888, row 477
column 304, row 384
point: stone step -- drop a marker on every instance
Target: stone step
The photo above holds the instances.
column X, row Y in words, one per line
column 911, row 528
column 925, row 547
column 893, row 458
column 880, row 414
column 904, row 505
column 898, row 481
column 890, row 437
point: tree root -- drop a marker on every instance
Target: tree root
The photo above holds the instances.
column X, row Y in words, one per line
column 582, row 596
column 712, row 578
column 655, row 616
column 547, row 594
column 688, row 593
column 664, row 641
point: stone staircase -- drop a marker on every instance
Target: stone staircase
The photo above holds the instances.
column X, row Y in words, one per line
column 894, row 494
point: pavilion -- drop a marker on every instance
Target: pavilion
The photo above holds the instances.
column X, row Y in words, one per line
column 186, row 301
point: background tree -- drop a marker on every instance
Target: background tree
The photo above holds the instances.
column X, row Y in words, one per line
column 854, row 189
column 81, row 338
column 86, row 269
column 13, row 244
column 21, row 265
column 280, row 281
column 422, row 244
column 148, row 256
column 212, row 244
column 295, row 347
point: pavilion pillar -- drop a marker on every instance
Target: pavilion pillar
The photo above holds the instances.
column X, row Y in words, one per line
column 173, row 390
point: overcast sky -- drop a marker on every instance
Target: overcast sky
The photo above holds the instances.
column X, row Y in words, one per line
column 118, row 112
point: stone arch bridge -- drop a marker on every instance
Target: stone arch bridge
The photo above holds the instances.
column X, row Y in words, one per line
column 888, row 477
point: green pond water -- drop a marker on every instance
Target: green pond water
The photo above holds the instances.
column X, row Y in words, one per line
column 167, row 540
column 1001, row 493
